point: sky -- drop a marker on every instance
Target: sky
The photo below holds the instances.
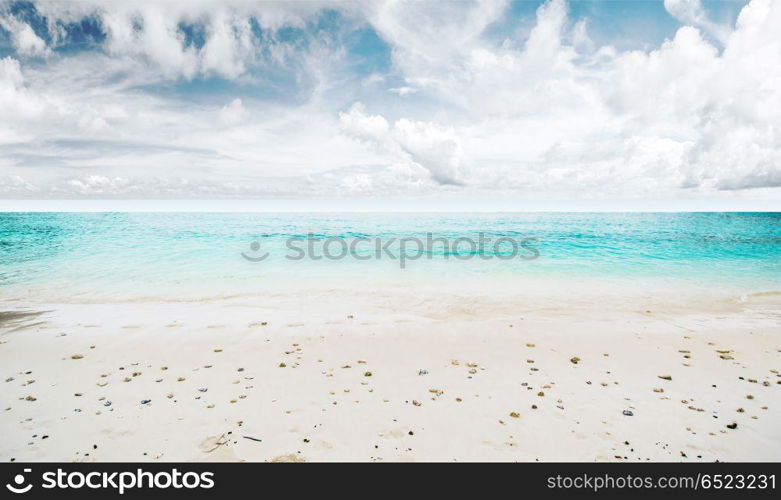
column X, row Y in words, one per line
column 599, row 101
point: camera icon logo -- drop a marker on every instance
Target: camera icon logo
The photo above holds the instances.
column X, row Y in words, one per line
column 19, row 480
column 255, row 255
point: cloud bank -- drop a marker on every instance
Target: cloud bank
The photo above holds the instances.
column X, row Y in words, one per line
column 385, row 99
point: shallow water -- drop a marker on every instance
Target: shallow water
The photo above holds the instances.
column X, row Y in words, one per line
column 160, row 254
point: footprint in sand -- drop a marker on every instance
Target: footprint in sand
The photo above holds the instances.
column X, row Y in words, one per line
column 211, row 443
column 393, row 434
column 218, row 449
column 290, row 457
column 319, row 445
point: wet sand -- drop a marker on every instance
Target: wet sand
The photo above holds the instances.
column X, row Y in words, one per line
column 390, row 378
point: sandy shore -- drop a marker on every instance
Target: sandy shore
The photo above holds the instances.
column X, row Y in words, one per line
column 384, row 377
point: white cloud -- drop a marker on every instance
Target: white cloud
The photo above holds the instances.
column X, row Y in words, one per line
column 229, row 44
column 152, row 32
column 358, row 124
column 425, row 37
column 683, row 116
column 403, row 91
column 423, row 144
column 436, row 148
column 232, row 113
column 97, row 184
column 24, row 39
column 17, row 104
column 14, row 184
column 692, row 13
column 546, row 112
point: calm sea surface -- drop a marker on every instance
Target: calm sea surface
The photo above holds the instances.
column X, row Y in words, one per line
column 151, row 253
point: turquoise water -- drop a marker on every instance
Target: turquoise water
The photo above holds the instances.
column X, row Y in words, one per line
column 149, row 253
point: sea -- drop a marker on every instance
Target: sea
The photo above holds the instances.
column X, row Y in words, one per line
column 60, row 256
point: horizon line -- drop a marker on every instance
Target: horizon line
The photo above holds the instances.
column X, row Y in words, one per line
column 387, row 206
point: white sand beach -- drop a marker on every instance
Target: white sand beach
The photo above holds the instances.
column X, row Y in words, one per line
column 340, row 374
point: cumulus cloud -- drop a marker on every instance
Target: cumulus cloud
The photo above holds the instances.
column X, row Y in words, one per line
column 24, row 39
column 422, row 144
column 368, row 127
column 427, row 38
column 18, row 105
column 232, row 113
column 229, row 44
column 685, row 115
column 258, row 99
column 691, row 12
column 177, row 39
column 150, row 32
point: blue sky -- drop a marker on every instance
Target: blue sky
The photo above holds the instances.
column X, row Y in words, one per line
column 625, row 24
column 466, row 99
